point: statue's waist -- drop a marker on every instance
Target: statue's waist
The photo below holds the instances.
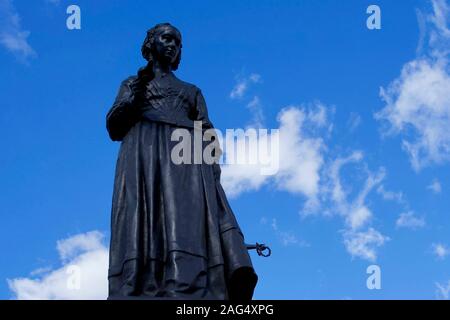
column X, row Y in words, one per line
column 177, row 119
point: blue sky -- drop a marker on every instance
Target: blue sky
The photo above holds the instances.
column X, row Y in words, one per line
column 363, row 174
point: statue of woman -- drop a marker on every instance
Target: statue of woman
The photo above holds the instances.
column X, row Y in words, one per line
column 173, row 233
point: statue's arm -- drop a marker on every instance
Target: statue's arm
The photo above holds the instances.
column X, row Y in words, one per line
column 202, row 110
column 124, row 112
column 202, row 115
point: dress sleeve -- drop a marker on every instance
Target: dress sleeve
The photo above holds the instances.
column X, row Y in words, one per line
column 123, row 114
column 202, row 110
column 202, row 115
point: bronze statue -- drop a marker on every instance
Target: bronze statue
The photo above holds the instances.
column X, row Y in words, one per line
column 173, row 233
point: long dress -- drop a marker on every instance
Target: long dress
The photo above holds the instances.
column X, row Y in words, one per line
column 173, row 233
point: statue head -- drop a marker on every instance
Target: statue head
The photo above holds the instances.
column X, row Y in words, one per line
column 163, row 43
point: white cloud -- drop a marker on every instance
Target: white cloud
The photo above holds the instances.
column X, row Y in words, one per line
column 440, row 250
column 418, row 102
column 85, row 253
column 40, row 271
column 301, row 172
column 338, row 194
column 286, row 238
column 356, row 212
column 72, row 247
column 301, row 153
column 435, row 186
column 359, row 213
column 443, row 291
column 391, row 195
column 354, row 121
column 257, row 113
column 360, row 239
column 358, row 217
column 409, row 220
column 239, row 178
column 12, row 36
column 243, row 84
column 319, row 114
column 440, row 20
column 364, row 244
column 300, row 150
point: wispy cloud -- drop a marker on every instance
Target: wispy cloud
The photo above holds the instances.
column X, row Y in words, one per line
column 353, row 121
column 440, row 250
column 12, row 36
column 355, row 211
column 351, row 204
column 85, row 252
column 255, row 108
column 435, row 186
column 410, row 220
column 287, row 238
column 364, row 244
column 443, row 291
column 302, row 144
column 360, row 239
column 391, row 195
column 243, row 84
column 418, row 101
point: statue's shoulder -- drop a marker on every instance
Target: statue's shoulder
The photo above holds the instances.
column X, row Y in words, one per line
column 188, row 86
column 128, row 80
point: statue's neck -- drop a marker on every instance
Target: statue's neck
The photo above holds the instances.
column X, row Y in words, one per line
column 161, row 70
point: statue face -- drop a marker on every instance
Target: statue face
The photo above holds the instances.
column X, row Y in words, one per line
column 167, row 44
